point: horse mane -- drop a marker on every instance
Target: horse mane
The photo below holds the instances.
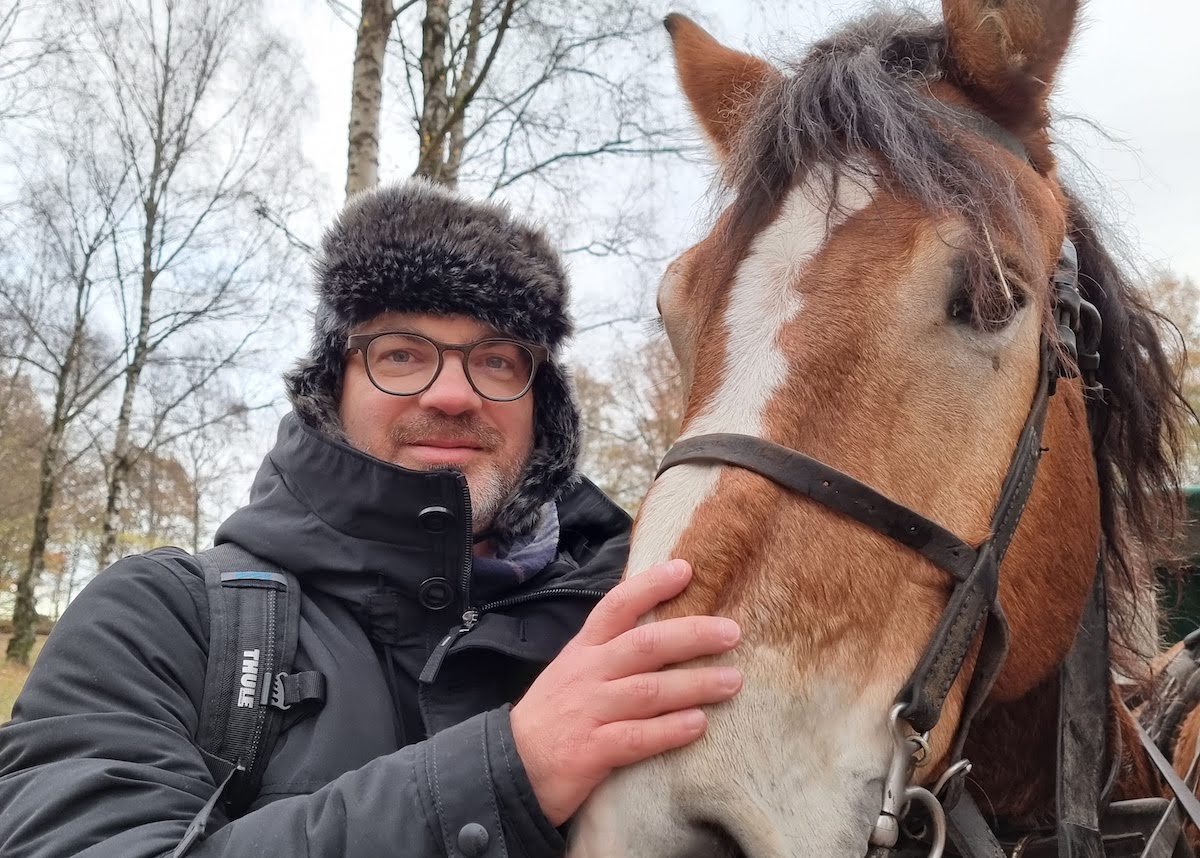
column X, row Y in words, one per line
column 1140, row 441
column 865, row 94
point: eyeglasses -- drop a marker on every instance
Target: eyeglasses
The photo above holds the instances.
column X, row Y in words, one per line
column 405, row 364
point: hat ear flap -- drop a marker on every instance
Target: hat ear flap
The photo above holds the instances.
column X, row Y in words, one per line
column 314, row 387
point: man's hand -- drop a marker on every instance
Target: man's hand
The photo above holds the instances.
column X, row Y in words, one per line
column 605, row 702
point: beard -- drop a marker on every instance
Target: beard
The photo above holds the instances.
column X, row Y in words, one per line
column 491, row 478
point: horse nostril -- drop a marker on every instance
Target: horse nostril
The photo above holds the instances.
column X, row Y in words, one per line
column 713, row 840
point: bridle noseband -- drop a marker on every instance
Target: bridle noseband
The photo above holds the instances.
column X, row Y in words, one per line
column 975, row 570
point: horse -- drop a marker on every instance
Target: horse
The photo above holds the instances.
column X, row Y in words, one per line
column 927, row 413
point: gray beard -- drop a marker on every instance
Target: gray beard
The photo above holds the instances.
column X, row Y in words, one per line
column 490, row 484
column 489, row 490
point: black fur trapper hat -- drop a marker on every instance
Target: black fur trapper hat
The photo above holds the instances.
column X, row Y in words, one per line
column 415, row 247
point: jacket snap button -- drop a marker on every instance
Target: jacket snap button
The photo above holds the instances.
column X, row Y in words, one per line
column 435, row 519
column 473, row 839
column 435, row 593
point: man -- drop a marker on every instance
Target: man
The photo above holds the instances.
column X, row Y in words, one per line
column 424, row 494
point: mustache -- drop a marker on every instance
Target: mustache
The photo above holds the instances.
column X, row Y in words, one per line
column 467, row 428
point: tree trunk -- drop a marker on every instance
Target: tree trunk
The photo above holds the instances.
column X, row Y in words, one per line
column 366, row 95
column 431, row 126
column 25, row 611
column 56, row 595
column 118, row 476
column 123, row 453
column 25, row 616
column 66, row 581
column 466, row 77
column 73, row 573
column 195, row 519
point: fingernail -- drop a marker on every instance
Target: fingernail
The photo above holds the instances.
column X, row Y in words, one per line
column 729, row 631
column 730, row 678
column 677, row 569
column 694, row 720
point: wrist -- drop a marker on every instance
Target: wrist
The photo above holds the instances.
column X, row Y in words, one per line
column 530, row 776
column 533, row 762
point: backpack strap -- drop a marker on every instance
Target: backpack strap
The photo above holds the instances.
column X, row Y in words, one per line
column 254, row 624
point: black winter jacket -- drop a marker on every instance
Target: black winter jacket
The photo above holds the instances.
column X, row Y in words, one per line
column 99, row 759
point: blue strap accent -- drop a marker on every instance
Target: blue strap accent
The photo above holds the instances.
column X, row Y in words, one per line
column 254, row 576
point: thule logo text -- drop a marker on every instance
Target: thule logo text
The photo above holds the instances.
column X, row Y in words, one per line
column 249, row 678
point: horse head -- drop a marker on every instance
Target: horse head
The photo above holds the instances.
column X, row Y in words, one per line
column 879, row 294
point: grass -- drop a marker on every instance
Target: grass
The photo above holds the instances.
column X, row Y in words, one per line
column 12, row 677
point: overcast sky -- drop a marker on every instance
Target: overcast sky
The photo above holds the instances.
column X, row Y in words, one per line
column 1131, row 69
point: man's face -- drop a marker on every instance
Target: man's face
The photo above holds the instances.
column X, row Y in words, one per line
column 449, row 425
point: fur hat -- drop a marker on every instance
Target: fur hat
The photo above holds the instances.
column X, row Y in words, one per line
column 418, row 248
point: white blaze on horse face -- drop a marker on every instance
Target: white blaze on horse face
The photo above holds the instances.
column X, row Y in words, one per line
column 763, row 301
column 793, row 765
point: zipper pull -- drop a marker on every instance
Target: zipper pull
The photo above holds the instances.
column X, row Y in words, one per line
column 434, row 665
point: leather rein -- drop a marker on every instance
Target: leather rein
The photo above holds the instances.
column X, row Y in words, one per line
column 1083, row 781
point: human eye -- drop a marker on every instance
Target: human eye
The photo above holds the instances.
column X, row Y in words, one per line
column 396, row 354
column 499, row 359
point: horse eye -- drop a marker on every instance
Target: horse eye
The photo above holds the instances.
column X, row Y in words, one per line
column 961, row 310
column 990, row 316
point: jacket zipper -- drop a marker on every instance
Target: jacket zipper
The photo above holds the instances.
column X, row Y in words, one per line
column 469, row 619
column 468, row 544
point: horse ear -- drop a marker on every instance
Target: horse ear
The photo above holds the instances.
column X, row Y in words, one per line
column 719, row 82
column 1005, row 53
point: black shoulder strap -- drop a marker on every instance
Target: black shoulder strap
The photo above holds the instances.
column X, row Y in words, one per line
column 254, row 624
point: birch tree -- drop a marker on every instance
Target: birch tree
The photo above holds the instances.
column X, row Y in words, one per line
column 375, row 21
column 22, row 430
column 510, row 97
column 50, row 299
column 25, row 42
column 204, row 105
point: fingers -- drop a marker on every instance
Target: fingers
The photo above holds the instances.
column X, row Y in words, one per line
column 604, row 702
column 649, row 695
column 626, row 603
column 665, row 642
column 627, row 742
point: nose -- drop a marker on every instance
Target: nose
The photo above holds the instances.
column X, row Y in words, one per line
column 451, row 392
column 674, row 825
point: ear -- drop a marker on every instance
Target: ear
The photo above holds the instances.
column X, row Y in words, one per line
column 720, row 83
column 1005, row 53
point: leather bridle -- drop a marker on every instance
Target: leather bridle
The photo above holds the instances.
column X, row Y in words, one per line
column 975, row 570
column 973, row 601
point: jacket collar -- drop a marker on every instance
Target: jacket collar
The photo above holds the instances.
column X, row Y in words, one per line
column 319, row 507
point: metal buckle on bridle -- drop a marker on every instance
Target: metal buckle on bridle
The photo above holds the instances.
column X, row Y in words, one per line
column 910, row 751
column 1078, row 320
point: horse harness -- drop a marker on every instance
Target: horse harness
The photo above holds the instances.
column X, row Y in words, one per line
column 1083, row 786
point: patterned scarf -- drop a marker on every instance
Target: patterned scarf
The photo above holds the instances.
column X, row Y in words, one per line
column 524, row 559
